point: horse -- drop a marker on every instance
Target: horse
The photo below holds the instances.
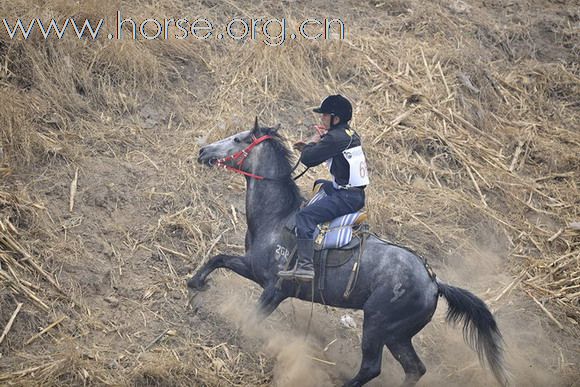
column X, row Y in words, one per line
column 396, row 292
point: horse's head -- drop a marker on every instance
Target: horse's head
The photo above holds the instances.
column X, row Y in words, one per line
column 237, row 151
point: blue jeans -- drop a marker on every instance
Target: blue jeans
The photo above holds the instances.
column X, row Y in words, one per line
column 338, row 202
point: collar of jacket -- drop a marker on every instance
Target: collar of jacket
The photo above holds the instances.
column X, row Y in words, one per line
column 341, row 125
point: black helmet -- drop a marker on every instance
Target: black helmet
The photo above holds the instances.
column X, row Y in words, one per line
column 337, row 105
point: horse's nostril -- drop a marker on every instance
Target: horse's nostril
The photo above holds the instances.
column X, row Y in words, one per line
column 200, row 157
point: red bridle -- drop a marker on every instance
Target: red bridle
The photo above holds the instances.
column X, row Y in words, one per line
column 241, row 156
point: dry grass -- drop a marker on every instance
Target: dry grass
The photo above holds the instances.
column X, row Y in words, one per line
column 470, row 124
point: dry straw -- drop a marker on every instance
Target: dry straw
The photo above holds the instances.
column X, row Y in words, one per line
column 471, row 130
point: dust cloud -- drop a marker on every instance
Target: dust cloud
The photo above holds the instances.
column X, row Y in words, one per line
column 331, row 353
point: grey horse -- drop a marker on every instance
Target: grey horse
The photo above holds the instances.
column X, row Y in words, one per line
column 394, row 289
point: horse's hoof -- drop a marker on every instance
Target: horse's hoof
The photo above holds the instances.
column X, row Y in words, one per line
column 191, row 299
column 197, row 285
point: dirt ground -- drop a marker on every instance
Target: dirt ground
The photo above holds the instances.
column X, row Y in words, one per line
column 125, row 130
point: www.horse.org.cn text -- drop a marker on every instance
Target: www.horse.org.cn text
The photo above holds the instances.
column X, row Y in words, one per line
column 271, row 31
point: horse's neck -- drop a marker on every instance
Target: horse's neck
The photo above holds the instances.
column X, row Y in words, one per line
column 267, row 204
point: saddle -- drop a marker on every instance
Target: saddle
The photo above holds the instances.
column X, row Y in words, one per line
column 335, row 243
column 337, row 233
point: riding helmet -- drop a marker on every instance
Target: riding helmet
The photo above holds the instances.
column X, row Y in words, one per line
column 337, row 105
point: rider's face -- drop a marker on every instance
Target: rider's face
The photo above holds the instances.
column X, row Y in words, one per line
column 326, row 120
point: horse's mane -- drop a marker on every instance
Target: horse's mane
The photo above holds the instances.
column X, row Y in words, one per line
column 286, row 160
column 279, row 145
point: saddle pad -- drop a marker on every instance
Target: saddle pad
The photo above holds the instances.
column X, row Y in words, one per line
column 338, row 232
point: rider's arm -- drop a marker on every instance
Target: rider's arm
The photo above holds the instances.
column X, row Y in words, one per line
column 329, row 146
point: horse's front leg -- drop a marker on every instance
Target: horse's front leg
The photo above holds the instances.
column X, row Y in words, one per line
column 238, row 264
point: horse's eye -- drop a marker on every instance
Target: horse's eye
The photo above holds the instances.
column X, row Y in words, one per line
column 237, row 140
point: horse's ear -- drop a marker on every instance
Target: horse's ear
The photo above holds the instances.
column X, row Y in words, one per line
column 256, row 127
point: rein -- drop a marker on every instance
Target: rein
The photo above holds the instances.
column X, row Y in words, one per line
column 241, row 156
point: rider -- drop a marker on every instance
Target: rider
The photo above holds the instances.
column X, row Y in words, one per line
column 345, row 194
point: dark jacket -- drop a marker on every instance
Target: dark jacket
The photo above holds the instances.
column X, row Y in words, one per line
column 331, row 145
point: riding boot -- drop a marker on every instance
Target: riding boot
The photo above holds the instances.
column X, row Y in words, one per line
column 304, row 269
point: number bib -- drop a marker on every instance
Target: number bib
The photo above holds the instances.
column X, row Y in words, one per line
column 358, row 173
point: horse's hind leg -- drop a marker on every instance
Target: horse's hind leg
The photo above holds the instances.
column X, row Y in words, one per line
column 372, row 350
column 402, row 349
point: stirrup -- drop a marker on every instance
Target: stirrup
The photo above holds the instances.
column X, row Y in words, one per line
column 289, row 273
column 304, row 277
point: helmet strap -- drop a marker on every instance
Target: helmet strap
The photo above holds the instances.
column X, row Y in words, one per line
column 332, row 125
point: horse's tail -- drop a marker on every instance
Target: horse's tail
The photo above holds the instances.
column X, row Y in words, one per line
column 480, row 330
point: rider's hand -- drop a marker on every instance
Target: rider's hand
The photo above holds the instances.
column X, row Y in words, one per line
column 299, row 145
column 320, row 129
column 315, row 138
column 318, row 133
